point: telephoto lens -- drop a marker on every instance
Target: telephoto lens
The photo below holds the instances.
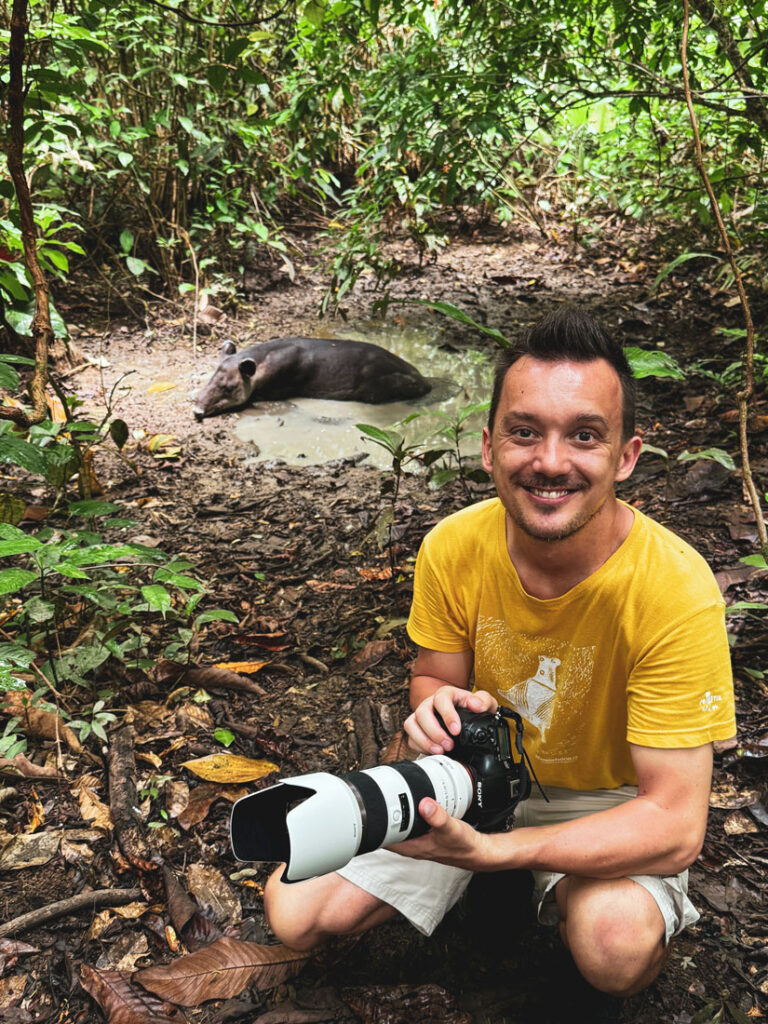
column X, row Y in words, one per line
column 317, row 823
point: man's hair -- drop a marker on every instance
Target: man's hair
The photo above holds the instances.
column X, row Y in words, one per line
column 569, row 333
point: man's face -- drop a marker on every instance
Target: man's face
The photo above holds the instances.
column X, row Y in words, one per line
column 556, row 449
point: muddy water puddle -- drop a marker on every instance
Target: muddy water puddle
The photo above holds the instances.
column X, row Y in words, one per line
column 311, row 431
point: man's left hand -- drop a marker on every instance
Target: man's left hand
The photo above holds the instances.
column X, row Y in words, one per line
column 449, row 841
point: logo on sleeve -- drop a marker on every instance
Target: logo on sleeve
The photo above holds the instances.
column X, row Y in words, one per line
column 709, row 701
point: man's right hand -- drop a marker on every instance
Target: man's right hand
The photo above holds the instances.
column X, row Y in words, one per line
column 424, row 731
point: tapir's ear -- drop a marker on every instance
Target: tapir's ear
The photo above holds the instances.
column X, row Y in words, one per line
column 247, row 367
column 228, row 348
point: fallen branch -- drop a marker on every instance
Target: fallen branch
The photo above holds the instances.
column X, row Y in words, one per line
column 97, row 898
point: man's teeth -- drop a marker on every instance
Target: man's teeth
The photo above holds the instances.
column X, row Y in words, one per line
column 540, row 493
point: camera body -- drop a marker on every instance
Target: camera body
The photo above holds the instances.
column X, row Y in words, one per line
column 484, row 746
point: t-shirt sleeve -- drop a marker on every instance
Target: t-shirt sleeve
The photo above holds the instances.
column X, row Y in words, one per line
column 437, row 619
column 680, row 691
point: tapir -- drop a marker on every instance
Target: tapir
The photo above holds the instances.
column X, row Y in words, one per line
column 308, row 368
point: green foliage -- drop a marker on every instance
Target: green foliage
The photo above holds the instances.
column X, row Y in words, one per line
column 75, row 599
column 156, row 131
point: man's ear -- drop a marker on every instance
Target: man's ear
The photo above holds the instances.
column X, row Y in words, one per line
column 487, row 451
column 629, row 456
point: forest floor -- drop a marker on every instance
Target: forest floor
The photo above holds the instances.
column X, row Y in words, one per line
column 292, row 551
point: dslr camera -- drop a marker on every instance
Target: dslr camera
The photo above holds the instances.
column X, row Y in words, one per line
column 317, row 823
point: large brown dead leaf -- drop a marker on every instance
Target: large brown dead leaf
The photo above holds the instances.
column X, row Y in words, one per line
column 36, row 722
column 221, row 971
column 373, row 652
column 21, row 765
column 125, row 1002
column 213, row 678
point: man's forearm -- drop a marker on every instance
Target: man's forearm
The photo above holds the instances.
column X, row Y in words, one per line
column 635, row 838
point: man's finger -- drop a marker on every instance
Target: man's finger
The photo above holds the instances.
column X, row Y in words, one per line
column 435, row 815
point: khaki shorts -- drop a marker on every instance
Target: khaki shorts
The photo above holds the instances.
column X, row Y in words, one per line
column 424, row 891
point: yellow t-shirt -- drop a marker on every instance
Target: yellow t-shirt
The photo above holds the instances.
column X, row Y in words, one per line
column 636, row 653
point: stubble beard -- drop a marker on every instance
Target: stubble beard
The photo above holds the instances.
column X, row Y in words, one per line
column 565, row 531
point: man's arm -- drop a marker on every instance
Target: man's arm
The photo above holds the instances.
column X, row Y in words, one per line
column 440, row 682
column 658, row 832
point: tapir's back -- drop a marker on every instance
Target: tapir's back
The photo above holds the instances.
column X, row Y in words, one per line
column 347, row 370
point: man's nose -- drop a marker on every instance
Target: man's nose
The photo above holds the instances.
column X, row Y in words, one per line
column 552, row 457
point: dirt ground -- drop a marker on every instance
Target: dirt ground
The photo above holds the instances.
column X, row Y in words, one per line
column 292, row 552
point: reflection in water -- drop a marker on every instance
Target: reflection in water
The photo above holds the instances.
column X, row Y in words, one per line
column 310, row 431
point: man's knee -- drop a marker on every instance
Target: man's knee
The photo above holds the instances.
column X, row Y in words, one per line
column 302, row 915
column 614, row 930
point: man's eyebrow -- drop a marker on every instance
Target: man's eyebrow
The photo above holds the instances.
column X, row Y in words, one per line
column 518, row 416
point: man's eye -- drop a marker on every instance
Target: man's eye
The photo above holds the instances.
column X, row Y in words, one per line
column 523, row 432
column 585, row 436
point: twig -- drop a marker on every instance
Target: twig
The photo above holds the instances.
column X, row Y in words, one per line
column 98, row 898
column 746, row 394
column 185, row 235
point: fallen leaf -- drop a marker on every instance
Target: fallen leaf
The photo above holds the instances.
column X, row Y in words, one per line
column 275, row 641
column 176, row 793
column 123, row 1001
column 229, row 768
column 37, row 722
column 221, row 971
column 21, row 765
column 12, row 990
column 160, row 386
column 29, row 851
column 376, row 574
column 210, row 678
column 194, row 718
column 202, row 797
column 243, row 666
column 738, row 823
column 213, row 894
column 92, row 809
column 326, row 587
column 373, row 652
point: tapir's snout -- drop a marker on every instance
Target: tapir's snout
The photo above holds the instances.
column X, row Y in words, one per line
column 199, row 414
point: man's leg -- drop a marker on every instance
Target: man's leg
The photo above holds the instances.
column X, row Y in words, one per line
column 614, row 930
column 304, row 914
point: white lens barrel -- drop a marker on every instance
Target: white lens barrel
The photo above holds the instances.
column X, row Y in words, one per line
column 325, row 829
column 451, row 782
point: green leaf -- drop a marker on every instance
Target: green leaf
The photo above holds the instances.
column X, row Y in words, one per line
column 16, row 654
column 449, row 310
column 709, row 455
column 23, row 454
column 18, row 547
column 757, row 560
column 12, row 580
column 653, row 450
column 224, row 736
column 12, row 508
column 647, row 363
column 739, row 606
column 178, row 580
column 157, row 597
column 92, row 508
column 442, row 477
column 678, row 261
column 9, row 379
column 215, row 615
column 118, row 431
column 126, row 241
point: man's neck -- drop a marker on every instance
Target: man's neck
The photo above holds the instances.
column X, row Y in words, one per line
column 549, row 569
